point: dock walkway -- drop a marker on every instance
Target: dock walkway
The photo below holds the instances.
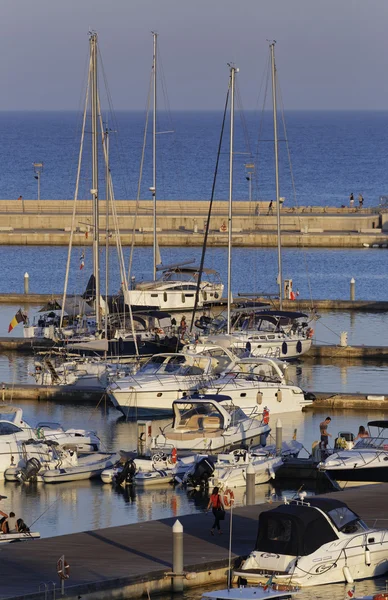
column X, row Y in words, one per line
column 127, row 561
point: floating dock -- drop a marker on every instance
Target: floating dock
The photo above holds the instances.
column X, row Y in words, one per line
column 135, row 560
column 349, row 400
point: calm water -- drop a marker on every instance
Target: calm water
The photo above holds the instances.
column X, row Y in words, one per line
column 333, row 154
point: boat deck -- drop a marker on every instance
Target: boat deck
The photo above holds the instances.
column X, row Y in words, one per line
column 125, row 561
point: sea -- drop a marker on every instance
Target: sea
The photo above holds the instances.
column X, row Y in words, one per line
column 332, row 155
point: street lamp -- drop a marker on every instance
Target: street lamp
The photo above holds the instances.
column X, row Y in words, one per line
column 250, row 169
column 38, row 169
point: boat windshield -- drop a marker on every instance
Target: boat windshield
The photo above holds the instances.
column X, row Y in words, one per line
column 176, row 365
column 346, row 520
column 372, row 443
column 7, row 428
column 192, row 415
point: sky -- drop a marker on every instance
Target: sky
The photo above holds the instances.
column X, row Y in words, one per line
column 330, row 54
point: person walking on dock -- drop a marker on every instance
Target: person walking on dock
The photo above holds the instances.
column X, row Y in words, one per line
column 218, row 510
column 351, row 200
column 324, row 433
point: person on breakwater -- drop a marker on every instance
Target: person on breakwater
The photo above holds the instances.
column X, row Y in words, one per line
column 324, row 433
column 360, row 200
column 218, row 510
column 351, row 200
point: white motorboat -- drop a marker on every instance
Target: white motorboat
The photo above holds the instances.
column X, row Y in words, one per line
column 176, row 288
column 61, row 465
column 25, row 536
column 80, row 439
column 80, row 374
column 83, row 467
column 257, row 592
column 18, row 441
column 209, row 423
column 276, row 334
column 315, row 541
column 157, row 469
column 366, row 461
column 161, row 380
column 230, row 469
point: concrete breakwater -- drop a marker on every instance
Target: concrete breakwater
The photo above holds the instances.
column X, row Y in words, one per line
column 182, row 223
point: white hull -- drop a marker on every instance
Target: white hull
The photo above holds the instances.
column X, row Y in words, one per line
column 172, row 300
column 232, row 476
column 7, row 538
column 273, row 345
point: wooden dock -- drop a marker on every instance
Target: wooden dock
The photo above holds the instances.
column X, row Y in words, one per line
column 131, row 560
column 10, row 392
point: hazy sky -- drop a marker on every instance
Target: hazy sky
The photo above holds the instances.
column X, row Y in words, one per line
column 330, row 53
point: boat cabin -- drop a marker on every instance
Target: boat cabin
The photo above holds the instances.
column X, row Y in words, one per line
column 300, row 528
column 176, row 365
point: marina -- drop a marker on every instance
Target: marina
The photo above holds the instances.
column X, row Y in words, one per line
column 193, row 304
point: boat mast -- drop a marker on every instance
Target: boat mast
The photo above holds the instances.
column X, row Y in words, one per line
column 275, row 128
column 107, row 200
column 153, row 189
column 233, row 71
column 94, row 190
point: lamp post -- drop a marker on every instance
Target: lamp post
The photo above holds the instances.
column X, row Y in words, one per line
column 38, row 169
column 250, row 169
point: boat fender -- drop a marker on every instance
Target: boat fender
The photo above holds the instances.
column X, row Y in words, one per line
column 265, row 416
column 309, row 333
column 228, row 498
column 367, row 556
column 223, row 226
column 63, row 569
column 347, row 575
column 174, row 456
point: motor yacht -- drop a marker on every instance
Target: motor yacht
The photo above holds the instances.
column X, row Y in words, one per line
column 257, row 592
column 315, row 541
column 161, row 380
column 365, row 462
column 230, row 470
column 209, row 423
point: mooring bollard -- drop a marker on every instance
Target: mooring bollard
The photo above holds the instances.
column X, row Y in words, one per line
column 177, row 556
column 26, row 282
column 250, row 484
column 279, row 436
column 352, row 289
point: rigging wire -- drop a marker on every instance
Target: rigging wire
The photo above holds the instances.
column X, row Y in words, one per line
column 137, row 205
column 200, row 271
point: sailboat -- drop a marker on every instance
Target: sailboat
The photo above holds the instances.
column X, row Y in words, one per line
column 175, row 288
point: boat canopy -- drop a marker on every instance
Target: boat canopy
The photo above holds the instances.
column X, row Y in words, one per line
column 300, row 529
column 380, row 424
column 198, row 413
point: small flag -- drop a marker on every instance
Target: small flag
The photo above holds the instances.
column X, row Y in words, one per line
column 20, row 317
column 269, row 583
column 350, row 593
column 82, row 261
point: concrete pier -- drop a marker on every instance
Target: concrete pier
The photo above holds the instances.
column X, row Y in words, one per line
column 134, row 560
column 182, row 223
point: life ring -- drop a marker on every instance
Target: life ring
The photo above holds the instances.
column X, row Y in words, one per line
column 223, row 226
column 63, row 569
column 174, row 456
column 265, row 416
column 310, row 333
column 228, row 498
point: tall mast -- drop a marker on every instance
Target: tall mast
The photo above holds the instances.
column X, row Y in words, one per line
column 107, row 200
column 94, row 190
column 233, row 71
column 153, row 189
column 275, row 129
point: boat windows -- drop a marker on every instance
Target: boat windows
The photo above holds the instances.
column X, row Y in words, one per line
column 8, row 428
column 279, row 530
column 346, row 520
column 192, row 416
column 375, row 443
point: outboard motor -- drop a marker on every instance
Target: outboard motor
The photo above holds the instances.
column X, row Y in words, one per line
column 30, row 471
column 200, row 473
column 127, row 474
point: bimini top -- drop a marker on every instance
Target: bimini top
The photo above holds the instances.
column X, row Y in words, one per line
column 379, row 424
column 299, row 529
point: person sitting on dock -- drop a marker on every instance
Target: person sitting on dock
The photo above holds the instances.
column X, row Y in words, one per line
column 324, row 433
column 9, row 524
column 362, row 433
